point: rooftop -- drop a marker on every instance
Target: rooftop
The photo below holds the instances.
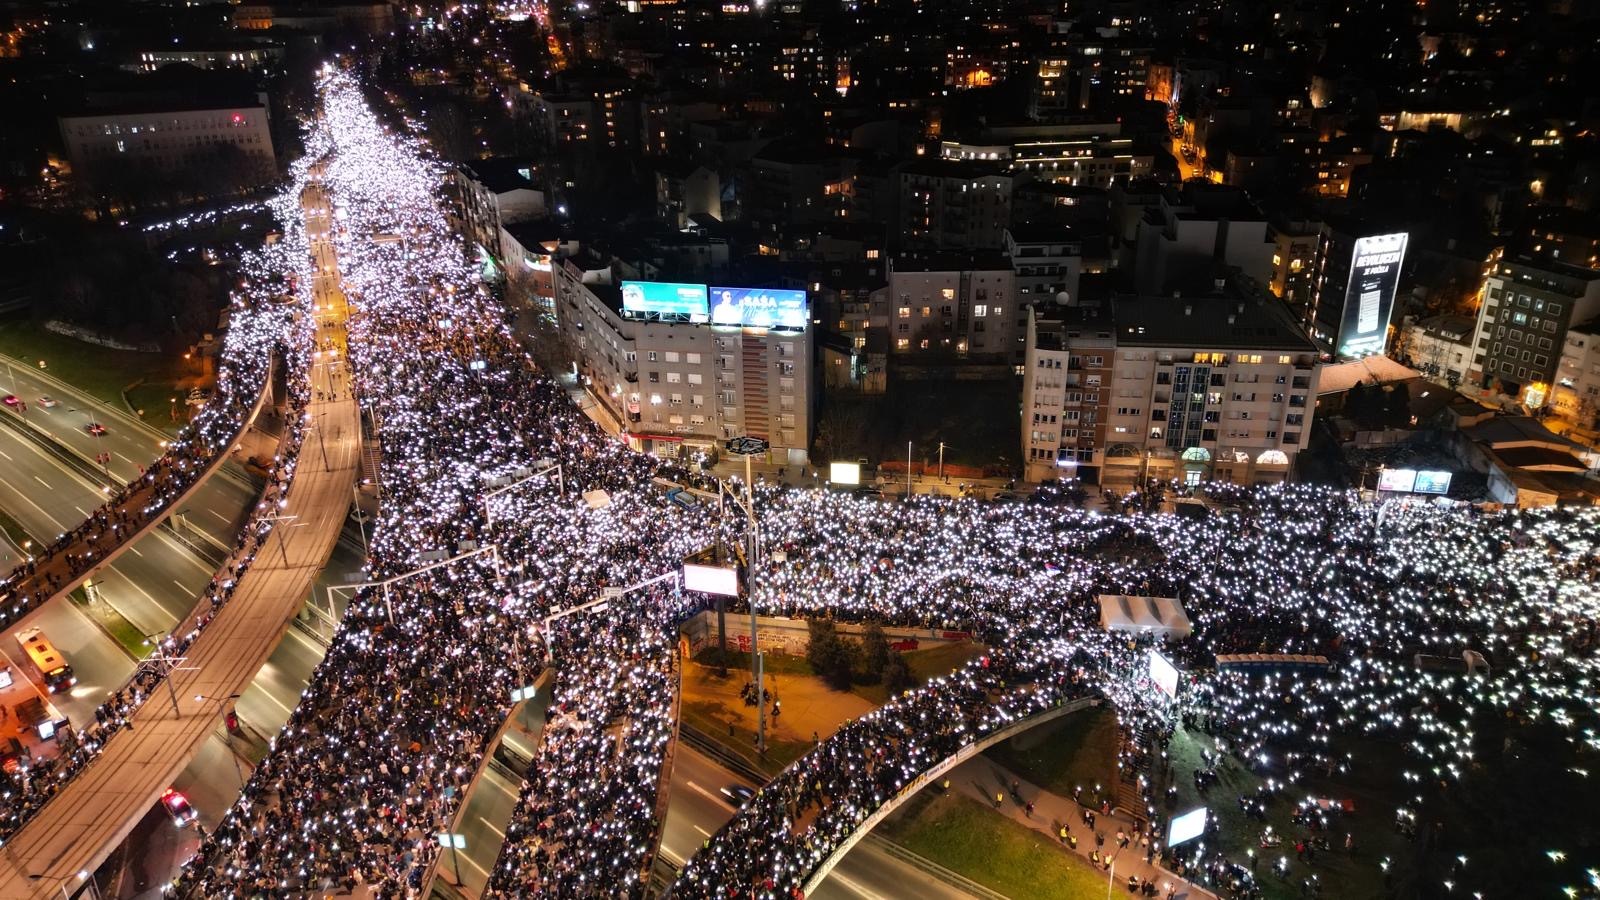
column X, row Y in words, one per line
column 1221, row 321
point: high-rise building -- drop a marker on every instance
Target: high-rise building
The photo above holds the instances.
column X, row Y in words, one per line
column 1527, row 308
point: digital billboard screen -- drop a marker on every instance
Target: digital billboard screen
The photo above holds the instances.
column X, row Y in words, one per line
column 722, row 580
column 844, row 473
column 1432, row 482
column 665, row 298
column 1164, row 674
column 1369, row 294
column 1400, row 480
column 758, row 307
column 1187, row 827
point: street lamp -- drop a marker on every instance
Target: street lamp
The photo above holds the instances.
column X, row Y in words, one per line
column 457, row 842
column 749, row 448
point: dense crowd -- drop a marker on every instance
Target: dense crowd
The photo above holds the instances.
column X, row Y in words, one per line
column 261, row 327
column 372, row 764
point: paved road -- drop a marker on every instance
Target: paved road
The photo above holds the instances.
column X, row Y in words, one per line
column 130, row 442
column 100, row 807
column 697, row 808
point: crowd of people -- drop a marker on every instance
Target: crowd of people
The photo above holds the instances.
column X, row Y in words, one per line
column 262, row 327
column 372, row 764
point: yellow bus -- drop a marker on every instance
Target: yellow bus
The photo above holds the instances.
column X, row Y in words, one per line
column 47, row 659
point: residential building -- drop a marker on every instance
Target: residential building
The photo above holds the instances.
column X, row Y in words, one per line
column 953, row 308
column 1576, row 394
column 1217, row 385
column 1192, row 230
column 495, row 193
column 1440, row 347
column 1294, row 256
column 674, row 386
column 1527, row 308
column 251, row 56
column 950, row 205
column 1047, row 262
column 585, row 112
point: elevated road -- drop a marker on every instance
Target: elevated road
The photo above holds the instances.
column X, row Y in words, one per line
column 88, row 818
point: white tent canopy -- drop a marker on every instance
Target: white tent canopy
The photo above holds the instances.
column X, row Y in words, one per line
column 1143, row 615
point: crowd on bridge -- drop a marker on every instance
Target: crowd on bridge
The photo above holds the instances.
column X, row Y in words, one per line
column 525, row 511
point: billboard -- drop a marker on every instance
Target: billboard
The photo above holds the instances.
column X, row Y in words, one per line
column 1401, row 480
column 758, row 307
column 1369, row 294
column 1187, row 827
column 1432, row 482
column 1164, row 674
column 722, row 580
column 844, row 472
column 664, row 297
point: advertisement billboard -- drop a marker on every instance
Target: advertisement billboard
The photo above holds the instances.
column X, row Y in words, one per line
column 1369, row 294
column 664, row 297
column 1401, row 480
column 1432, row 482
column 844, row 473
column 1187, row 827
column 1164, row 674
column 722, row 580
column 758, row 307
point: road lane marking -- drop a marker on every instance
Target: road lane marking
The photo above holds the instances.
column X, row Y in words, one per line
column 80, row 509
column 6, row 455
column 135, row 551
column 43, row 482
column 854, row 886
column 491, row 827
column 724, row 799
column 219, row 516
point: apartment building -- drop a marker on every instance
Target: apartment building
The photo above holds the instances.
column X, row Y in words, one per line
column 953, row 308
column 167, row 138
column 1528, row 306
column 1576, row 394
column 953, row 205
column 1219, row 385
column 675, row 386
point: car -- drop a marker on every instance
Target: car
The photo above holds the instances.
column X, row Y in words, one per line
column 868, row 491
column 178, row 807
column 1007, row 497
column 95, row 428
column 49, row 402
column 739, row 794
column 12, row 400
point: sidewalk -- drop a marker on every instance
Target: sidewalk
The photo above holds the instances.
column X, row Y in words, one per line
column 981, row 779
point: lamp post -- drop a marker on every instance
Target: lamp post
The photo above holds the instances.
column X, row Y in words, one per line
column 749, row 448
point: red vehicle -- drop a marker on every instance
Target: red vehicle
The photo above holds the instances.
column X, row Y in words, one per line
column 12, row 400
column 178, row 807
column 95, row 428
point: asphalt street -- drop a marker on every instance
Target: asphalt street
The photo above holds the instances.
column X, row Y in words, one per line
column 698, row 808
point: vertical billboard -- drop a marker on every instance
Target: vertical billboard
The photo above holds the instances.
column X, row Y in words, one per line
column 1369, row 294
column 640, row 298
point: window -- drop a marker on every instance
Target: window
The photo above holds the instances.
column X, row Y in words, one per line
column 946, row 293
column 693, row 359
column 902, row 343
column 674, row 378
column 676, row 399
column 655, row 377
column 697, row 400
column 672, row 356
column 652, row 356
column 905, row 312
column 695, row 377
column 979, row 312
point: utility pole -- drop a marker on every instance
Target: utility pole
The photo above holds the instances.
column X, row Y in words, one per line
column 908, row 470
column 941, row 461
column 749, row 448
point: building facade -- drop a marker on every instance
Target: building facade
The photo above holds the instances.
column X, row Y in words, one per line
column 1522, row 325
column 1220, row 386
column 953, row 308
column 676, row 387
column 167, row 140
